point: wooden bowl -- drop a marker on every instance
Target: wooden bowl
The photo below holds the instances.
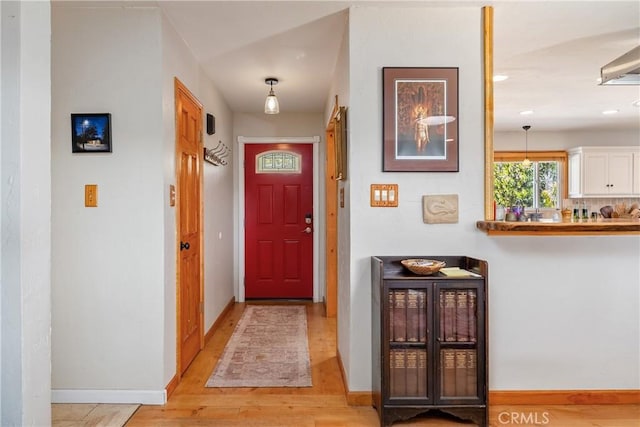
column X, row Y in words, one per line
column 424, row 267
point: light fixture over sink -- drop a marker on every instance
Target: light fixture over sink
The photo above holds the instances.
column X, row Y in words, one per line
column 526, row 162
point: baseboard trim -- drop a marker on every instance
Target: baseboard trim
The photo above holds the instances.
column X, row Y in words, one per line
column 219, row 320
column 521, row 397
column 170, row 388
column 359, row 398
column 354, row 398
column 343, row 374
column 143, row 397
column 564, row 397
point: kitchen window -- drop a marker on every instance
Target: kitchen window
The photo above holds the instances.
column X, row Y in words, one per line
column 540, row 185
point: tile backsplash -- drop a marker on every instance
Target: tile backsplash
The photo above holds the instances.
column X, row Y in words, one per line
column 595, row 204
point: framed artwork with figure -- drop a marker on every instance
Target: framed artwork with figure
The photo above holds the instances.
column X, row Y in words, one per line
column 420, row 119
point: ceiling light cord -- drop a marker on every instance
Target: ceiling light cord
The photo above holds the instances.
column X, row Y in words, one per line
column 526, row 162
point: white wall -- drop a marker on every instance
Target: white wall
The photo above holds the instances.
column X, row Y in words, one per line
column 218, row 208
column 127, row 289
column 283, row 124
column 108, row 264
column 540, row 141
column 25, row 213
column 556, row 318
column 406, row 37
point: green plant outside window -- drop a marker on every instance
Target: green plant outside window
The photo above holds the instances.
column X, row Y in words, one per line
column 533, row 186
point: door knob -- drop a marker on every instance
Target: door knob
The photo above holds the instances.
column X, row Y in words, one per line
column 184, row 246
column 307, row 230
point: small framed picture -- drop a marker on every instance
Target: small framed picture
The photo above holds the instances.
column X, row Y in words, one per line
column 91, row 133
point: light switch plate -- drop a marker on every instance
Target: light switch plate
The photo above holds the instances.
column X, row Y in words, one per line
column 91, row 196
column 172, row 195
column 384, row 195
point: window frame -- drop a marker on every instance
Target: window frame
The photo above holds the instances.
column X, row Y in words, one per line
column 295, row 158
column 537, row 156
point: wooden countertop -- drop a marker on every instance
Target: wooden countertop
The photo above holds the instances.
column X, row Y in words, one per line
column 600, row 227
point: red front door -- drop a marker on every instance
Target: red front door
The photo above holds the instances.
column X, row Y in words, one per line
column 278, row 220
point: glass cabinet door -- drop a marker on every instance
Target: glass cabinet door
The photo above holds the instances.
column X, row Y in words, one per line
column 408, row 337
column 459, row 329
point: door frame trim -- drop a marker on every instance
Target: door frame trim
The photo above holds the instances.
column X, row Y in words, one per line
column 242, row 140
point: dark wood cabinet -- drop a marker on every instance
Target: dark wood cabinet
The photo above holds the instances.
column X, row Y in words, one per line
column 429, row 349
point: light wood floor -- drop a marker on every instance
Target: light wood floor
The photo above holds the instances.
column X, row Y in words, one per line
column 90, row 414
column 324, row 404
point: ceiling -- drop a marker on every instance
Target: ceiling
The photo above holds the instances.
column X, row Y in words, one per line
column 551, row 50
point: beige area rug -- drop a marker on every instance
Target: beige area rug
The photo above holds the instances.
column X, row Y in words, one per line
column 268, row 348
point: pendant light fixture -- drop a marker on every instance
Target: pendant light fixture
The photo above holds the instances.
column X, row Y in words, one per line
column 271, row 104
column 526, row 162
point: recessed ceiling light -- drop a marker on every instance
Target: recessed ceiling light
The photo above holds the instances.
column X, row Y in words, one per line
column 526, row 112
column 636, row 103
column 500, row 77
column 609, row 112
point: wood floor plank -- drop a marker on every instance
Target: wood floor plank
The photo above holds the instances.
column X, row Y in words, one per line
column 90, row 414
column 325, row 404
column 71, row 411
column 258, row 400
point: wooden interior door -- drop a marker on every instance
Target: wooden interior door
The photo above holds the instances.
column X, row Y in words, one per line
column 331, row 218
column 279, row 221
column 189, row 166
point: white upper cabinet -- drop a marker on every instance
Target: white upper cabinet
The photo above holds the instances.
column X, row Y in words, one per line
column 604, row 172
